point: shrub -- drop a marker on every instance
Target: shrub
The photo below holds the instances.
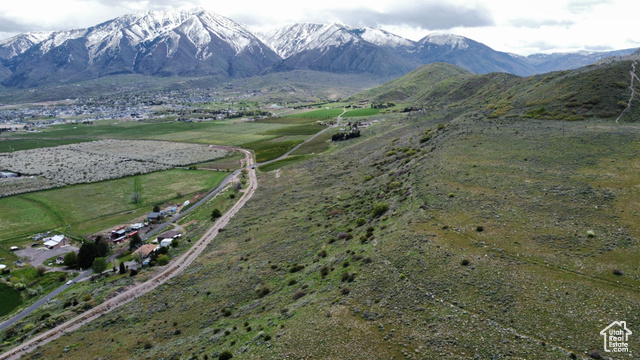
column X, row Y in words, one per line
column 424, row 139
column 295, row 268
column 298, row 294
column 324, row 271
column 86, row 297
column 292, row 282
column 267, row 337
column 163, row 259
column 361, row 221
column 346, row 291
column 28, row 327
column 451, row 195
column 348, row 277
column 617, row 272
column 480, row 228
column 40, row 270
column 263, row 291
column 367, row 178
column 322, row 254
column 215, row 214
column 464, row 262
column 379, row 209
column 225, row 355
column 591, row 233
column 133, row 272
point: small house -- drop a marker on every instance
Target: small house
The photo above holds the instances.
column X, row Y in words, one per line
column 60, row 260
column 166, row 242
column 56, row 241
column 14, row 248
column 169, row 235
column 145, row 250
column 154, row 216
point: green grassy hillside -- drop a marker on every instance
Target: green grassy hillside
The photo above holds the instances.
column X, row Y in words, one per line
column 600, row 91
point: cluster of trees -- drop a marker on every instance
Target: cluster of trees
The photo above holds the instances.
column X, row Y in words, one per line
column 89, row 252
column 345, row 135
column 378, row 105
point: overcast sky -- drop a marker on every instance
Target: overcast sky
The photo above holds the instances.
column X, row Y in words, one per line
column 521, row 27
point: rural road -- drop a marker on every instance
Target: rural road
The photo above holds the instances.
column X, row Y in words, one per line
column 171, row 270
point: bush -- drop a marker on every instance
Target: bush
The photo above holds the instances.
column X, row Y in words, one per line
column 298, row 294
column 322, row 254
column 480, row 228
column 617, row 272
column 263, row 291
column 225, row 355
column 133, row 272
column 40, row 270
column 292, row 282
column 295, row 268
column 324, row 271
column 163, row 260
column 464, row 262
column 379, row 209
column 348, row 277
column 361, row 221
column 86, row 297
column 215, row 214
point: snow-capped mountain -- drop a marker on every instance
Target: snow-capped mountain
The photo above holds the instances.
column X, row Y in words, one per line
column 467, row 54
column 189, row 42
column 20, row 43
column 290, row 40
column 197, row 42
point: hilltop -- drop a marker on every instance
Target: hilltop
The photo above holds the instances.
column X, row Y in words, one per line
column 598, row 90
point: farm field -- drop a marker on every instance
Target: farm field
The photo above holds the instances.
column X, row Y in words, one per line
column 87, row 208
column 362, row 112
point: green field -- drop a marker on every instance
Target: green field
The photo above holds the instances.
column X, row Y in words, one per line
column 87, row 208
column 9, row 145
column 11, row 299
column 362, row 112
column 320, row 114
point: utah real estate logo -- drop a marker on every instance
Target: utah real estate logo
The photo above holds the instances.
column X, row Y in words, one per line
column 616, row 337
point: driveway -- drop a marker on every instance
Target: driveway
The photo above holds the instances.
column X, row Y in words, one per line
column 36, row 256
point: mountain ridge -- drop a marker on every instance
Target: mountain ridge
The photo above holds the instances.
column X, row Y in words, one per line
column 198, row 42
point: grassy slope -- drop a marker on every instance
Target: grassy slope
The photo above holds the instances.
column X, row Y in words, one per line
column 534, row 187
column 596, row 90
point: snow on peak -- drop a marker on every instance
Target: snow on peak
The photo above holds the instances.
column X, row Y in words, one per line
column 289, row 40
column 20, row 43
column 384, row 38
column 455, row 41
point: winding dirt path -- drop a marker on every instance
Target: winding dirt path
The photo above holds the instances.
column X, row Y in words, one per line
column 174, row 268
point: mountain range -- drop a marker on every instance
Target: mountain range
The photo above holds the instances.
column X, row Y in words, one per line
column 197, row 42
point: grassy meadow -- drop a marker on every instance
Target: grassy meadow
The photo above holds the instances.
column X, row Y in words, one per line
column 87, row 208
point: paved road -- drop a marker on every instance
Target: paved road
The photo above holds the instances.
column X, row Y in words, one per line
column 85, row 274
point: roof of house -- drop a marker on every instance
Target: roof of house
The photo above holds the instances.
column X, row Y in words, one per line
column 145, row 249
column 154, row 215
